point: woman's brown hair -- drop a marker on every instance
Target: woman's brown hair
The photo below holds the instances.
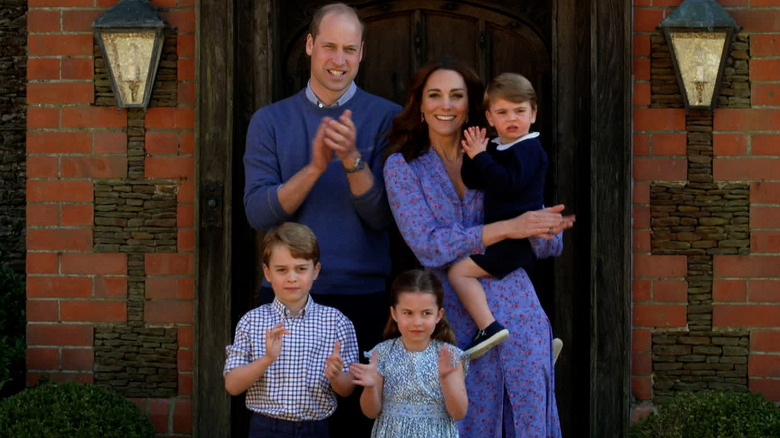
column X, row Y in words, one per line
column 409, row 134
column 420, row 281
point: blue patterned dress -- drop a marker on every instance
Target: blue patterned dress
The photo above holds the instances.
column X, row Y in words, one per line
column 412, row 399
column 512, row 387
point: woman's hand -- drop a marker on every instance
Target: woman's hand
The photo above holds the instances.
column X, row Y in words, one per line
column 545, row 223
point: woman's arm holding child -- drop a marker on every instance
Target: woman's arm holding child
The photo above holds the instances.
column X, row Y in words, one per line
column 453, row 385
column 241, row 378
column 340, row 381
column 372, row 383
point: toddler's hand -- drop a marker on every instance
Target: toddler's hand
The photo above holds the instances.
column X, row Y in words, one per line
column 365, row 375
column 474, row 141
column 334, row 363
column 273, row 341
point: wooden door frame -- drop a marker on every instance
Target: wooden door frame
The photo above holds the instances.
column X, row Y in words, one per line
column 592, row 37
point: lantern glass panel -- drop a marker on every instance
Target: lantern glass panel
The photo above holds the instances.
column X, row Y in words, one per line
column 130, row 57
column 698, row 58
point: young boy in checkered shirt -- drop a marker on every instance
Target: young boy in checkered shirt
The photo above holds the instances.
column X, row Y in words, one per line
column 291, row 356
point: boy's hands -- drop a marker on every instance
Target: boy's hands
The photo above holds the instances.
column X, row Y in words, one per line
column 474, row 141
column 365, row 375
column 445, row 363
column 334, row 363
column 273, row 341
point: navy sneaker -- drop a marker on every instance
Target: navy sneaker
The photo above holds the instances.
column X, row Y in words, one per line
column 486, row 339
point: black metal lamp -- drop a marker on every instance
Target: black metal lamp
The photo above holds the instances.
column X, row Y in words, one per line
column 699, row 35
column 130, row 35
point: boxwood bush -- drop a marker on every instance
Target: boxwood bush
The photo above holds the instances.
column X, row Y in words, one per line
column 69, row 410
column 709, row 414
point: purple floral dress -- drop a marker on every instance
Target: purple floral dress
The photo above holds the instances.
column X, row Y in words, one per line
column 512, row 387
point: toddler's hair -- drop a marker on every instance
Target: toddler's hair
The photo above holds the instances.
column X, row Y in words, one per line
column 512, row 87
column 417, row 280
column 299, row 239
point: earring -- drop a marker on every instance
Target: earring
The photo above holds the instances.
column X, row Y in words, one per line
column 422, row 117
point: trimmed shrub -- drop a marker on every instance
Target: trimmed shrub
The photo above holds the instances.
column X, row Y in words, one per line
column 72, row 409
column 710, row 414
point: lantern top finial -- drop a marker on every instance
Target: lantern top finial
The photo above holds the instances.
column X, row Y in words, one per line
column 130, row 14
column 699, row 14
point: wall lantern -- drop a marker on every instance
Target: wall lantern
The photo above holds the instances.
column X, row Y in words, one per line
column 130, row 36
column 699, row 35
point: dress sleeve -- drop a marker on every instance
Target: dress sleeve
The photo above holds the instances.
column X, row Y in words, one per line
column 544, row 248
column 436, row 243
column 382, row 349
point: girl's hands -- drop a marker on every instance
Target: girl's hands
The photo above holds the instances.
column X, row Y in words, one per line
column 474, row 141
column 273, row 341
column 334, row 363
column 445, row 363
column 366, row 375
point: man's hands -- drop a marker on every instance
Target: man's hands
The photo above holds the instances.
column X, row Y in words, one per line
column 335, row 136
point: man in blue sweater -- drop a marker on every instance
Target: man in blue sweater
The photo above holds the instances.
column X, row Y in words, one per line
column 316, row 158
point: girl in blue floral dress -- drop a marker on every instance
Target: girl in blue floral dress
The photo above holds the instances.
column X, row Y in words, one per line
column 414, row 385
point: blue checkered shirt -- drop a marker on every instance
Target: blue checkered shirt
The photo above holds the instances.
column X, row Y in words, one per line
column 294, row 387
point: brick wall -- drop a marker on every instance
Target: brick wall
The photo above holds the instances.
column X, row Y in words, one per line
column 706, row 215
column 110, row 216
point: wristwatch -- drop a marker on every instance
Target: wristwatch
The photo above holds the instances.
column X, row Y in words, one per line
column 359, row 165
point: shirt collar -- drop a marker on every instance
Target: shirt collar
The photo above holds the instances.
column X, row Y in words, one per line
column 341, row 100
column 282, row 310
column 503, row 147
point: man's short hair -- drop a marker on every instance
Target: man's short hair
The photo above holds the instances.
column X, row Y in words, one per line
column 512, row 87
column 298, row 238
column 339, row 8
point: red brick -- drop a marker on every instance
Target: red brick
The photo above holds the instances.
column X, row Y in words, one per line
column 60, row 93
column 746, row 266
column 42, row 167
column 765, row 144
column 42, row 214
column 169, row 264
column 764, row 242
column 186, row 3
column 673, row 3
column 43, row 358
column 184, row 360
column 43, row 21
column 641, row 69
column 42, row 263
column 765, row 192
column 76, row 215
column 42, row 310
column 730, row 3
column 765, row 340
column 59, row 239
column 59, row 191
column 641, row 218
column 756, row 315
column 664, row 169
column 641, row 410
column 110, row 287
column 170, row 118
column 734, row 291
column 159, row 412
column 67, row 376
column 765, row 3
column 670, row 291
column 641, row 364
column 58, row 142
column 169, row 311
column 182, row 416
column 646, row 20
column 729, row 144
column 169, row 167
column 185, row 45
column 94, row 167
column 659, row 315
column 58, row 3
column 59, row 45
column 769, row 388
column 764, row 217
column 58, row 287
column 745, row 169
column 669, row 144
column 93, row 117
column 186, row 337
column 183, row 19
column 110, row 142
column 185, row 69
column 97, row 264
column 764, row 69
column 162, row 143
column 641, row 241
column 764, row 365
column 746, row 120
column 43, row 118
column 185, row 93
column 764, row 291
column 59, row 334
column 763, row 94
column 641, row 144
column 757, row 20
column 642, row 388
column 641, row 94
column 79, row 20
column 187, row 143
column 642, row 291
column 186, row 191
column 43, row 68
column 94, row 311
column 81, row 359
column 165, row 3
column 186, row 240
column 77, row 68
column 659, row 119
column 186, row 288
column 641, row 340
column 185, row 383
column 764, row 45
column 185, row 215
column 641, row 193
column 663, row 266
column 161, row 288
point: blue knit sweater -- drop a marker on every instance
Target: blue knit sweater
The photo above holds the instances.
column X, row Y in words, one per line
column 351, row 230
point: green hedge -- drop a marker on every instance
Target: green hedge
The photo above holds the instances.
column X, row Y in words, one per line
column 709, row 414
column 12, row 324
column 72, row 410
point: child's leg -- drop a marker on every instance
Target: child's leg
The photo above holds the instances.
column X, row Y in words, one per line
column 464, row 277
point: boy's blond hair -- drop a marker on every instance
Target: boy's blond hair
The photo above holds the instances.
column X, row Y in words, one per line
column 298, row 238
column 512, row 87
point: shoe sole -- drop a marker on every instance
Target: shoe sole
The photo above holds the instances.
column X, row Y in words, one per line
column 484, row 346
column 557, row 347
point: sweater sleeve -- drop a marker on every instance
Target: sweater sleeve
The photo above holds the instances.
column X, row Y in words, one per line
column 516, row 174
column 436, row 243
column 470, row 175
